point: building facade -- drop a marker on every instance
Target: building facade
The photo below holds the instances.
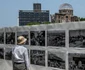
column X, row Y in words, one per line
column 35, row 15
column 65, row 14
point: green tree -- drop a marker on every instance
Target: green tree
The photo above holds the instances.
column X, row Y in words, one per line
column 37, row 23
column 82, row 19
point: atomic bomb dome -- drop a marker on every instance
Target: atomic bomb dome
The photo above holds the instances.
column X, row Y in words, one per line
column 65, row 6
column 65, row 14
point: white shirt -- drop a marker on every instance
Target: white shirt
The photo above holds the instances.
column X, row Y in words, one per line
column 20, row 54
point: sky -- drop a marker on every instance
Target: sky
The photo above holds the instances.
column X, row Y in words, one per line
column 9, row 9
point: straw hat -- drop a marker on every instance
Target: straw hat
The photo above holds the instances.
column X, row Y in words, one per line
column 21, row 39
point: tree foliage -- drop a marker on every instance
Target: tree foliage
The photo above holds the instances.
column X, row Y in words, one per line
column 37, row 23
column 82, row 19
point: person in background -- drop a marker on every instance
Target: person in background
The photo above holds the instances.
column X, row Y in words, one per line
column 80, row 65
column 20, row 55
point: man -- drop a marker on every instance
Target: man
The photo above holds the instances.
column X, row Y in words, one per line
column 20, row 55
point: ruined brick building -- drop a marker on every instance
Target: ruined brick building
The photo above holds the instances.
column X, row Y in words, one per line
column 65, row 14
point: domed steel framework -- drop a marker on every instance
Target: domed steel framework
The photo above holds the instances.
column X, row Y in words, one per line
column 65, row 6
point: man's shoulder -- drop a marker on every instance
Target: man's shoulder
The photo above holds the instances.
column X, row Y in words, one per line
column 21, row 46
